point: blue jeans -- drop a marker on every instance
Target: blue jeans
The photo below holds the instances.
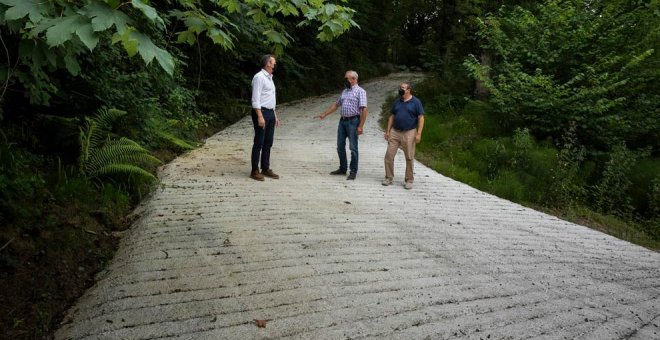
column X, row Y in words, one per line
column 263, row 139
column 348, row 129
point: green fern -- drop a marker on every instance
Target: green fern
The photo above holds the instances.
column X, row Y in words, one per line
column 174, row 140
column 102, row 156
column 164, row 132
column 96, row 130
column 122, row 169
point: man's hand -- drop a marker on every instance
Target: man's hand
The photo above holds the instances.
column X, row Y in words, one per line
column 359, row 130
column 277, row 122
column 418, row 138
column 321, row 116
column 387, row 136
column 261, row 121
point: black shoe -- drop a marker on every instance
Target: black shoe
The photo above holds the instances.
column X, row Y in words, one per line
column 351, row 176
column 338, row 172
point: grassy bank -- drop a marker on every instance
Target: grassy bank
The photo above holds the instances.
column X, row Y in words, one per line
column 616, row 192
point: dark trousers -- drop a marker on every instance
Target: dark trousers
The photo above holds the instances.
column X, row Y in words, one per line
column 263, row 139
column 348, row 129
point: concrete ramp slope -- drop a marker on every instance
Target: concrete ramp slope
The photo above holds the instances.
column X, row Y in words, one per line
column 217, row 255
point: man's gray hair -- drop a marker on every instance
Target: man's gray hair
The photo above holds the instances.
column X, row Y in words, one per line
column 265, row 59
column 353, row 74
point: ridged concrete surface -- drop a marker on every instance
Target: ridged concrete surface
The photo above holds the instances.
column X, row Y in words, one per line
column 320, row 257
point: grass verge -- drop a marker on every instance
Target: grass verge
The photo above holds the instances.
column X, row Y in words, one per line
column 468, row 141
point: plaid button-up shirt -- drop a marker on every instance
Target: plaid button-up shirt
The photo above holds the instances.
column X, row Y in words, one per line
column 352, row 100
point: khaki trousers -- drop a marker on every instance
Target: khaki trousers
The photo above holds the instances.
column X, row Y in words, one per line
column 406, row 141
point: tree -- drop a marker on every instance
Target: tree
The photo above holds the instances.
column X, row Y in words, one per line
column 56, row 35
column 586, row 62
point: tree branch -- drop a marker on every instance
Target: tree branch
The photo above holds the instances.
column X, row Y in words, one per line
column 199, row 53
column 6, row 244
column 6, row 85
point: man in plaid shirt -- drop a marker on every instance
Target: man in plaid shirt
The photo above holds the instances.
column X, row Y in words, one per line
column 353, row 103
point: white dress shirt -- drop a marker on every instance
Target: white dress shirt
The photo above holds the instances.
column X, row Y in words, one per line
column 263, row 90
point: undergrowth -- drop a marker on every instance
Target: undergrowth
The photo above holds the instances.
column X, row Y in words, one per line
column 615, row 191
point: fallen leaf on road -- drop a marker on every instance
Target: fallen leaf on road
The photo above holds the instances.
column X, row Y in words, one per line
column 261, row 323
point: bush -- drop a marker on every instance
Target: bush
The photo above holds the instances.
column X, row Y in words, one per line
column 146, row 94
column 643, row 191
column 104, row 157
column 468, row 159
column 20, row 184
column 566, row 189
column 610, row 193
column 523, row 143
column 508, row 185
column 490, row 123
column 493, row 152
column 537, row 81
column 541, row 162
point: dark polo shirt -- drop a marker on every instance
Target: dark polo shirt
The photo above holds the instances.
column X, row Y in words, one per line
column 406, row 113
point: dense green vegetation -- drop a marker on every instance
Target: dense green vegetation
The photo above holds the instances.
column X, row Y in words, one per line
column 97, row 93
column 612, row 195
column 553, row 104
column 570, row 122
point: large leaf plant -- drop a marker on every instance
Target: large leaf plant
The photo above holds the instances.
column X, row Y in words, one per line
column 103, row 156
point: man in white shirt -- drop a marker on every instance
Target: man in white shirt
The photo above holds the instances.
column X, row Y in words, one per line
column 264, row 118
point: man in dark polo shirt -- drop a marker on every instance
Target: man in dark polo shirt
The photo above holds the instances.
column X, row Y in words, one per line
column 404, row 130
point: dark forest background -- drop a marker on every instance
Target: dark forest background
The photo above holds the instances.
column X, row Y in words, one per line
column 552, row 104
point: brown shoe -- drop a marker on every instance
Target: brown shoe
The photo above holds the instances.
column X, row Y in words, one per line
column 256, row 175
column 270, row 173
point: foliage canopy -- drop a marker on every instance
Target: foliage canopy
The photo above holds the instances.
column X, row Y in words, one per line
column 592, row 63
column 53, row 35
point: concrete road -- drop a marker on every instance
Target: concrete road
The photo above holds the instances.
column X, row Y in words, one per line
column 315, row 256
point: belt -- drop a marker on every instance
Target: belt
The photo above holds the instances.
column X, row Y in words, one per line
column 399, row 130
column 350, row 118
column 266, row 108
